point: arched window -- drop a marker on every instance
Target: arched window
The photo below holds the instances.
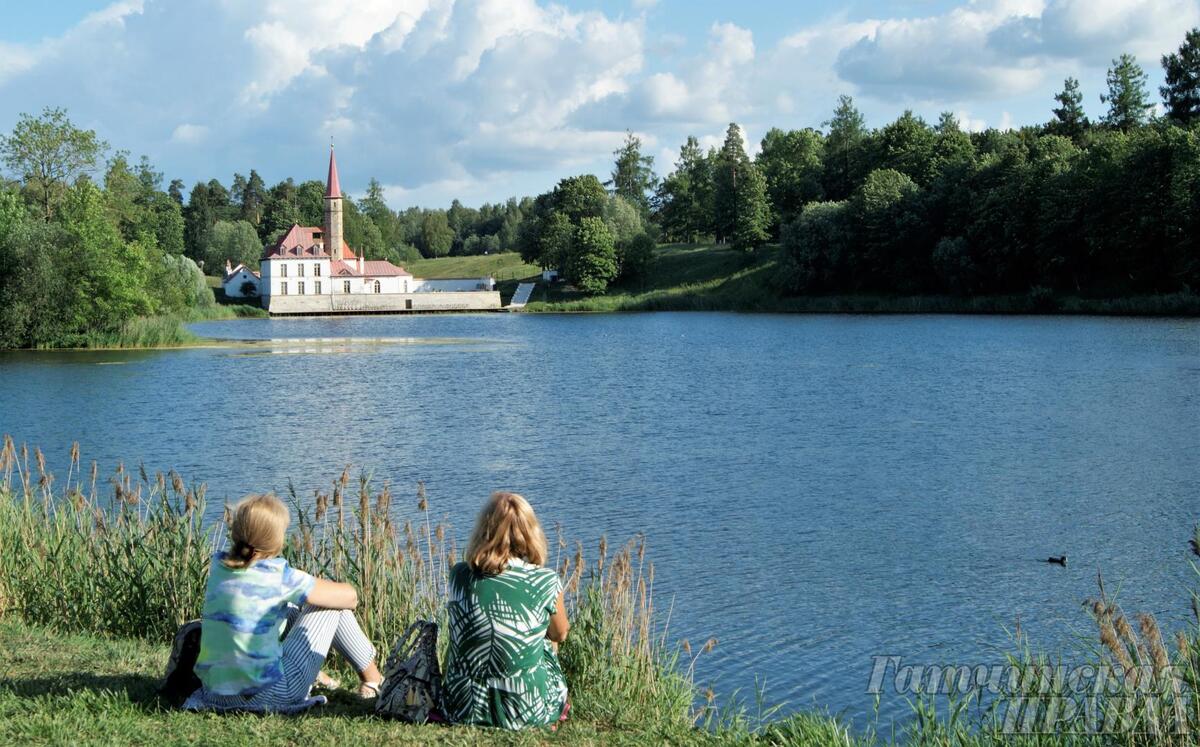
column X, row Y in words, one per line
column 376, row 286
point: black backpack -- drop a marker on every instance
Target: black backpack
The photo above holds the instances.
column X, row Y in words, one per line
column 181, row 680
column 412, row 678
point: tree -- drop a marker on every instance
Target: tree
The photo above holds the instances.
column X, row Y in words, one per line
column 580, row 197
column 740, row 198
column 683, row 202
column 49, row 154
column 623, row 219
column 1128, row 102
column 252, row 197
column 235, row 242
column 884, row 211
column 436, row 235
column 907, row 145
column 844, row 157
column 592, row 263
column 791, row 164
column 176, row 191
column 1069, row 119
column 635, row 256
column 815, row 247
column 1181, row 91
column 633, row 174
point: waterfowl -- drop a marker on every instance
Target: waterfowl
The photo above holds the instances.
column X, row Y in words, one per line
column 1060, row 560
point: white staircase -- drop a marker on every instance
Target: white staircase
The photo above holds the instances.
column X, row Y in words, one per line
column 521, row 296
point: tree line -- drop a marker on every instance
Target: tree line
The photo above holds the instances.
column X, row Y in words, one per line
column 90, row 239
column 1073, row 206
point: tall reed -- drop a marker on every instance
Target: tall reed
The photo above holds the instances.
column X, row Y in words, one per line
column 130, row 556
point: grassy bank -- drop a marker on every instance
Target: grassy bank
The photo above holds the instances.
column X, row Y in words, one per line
column 85, row 642
column 704, row 277
column 167, row 331
column 147, row 547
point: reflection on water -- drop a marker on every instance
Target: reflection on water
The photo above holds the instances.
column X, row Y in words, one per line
column 815, row 490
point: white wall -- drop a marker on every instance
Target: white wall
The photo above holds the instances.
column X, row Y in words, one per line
column 448, row 285
column 277, row 272
column 392, row 284
column 233, row 286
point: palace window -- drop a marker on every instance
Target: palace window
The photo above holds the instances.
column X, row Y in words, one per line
column 346, row 286
column 376, row 286
column 317, row 287
column 283, row 289
column 300, row 288
column 300, row 270
column 283, row 270
column 316, row 271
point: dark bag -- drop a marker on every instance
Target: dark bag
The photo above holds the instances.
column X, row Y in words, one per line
column 181, row 680
column 412, row 679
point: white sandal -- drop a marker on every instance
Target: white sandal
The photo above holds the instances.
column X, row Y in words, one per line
column 368, row 690
column 327, row 682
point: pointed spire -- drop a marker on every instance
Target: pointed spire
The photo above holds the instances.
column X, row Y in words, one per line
column 334, row 189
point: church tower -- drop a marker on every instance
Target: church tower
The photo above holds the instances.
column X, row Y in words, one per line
column 333, row 211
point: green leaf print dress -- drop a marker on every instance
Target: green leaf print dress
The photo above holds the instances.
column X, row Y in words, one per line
column 501, row 670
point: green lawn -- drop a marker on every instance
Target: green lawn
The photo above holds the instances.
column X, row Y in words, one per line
column 507, row 266
column 76, row 689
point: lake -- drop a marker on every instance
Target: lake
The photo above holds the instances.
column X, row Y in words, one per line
column 816, row 490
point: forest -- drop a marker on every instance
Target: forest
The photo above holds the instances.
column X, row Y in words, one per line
column 90, row 239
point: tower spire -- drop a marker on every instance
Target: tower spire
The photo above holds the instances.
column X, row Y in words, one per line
column 333, row 211
column 333, row 188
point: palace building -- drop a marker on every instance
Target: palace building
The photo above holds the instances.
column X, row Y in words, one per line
column 312, row 270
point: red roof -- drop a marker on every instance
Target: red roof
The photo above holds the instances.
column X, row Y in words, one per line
column 376, row 268
column 334, row 189
column 301, row 241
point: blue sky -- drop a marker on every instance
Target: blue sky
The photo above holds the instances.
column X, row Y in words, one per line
column 483, row 99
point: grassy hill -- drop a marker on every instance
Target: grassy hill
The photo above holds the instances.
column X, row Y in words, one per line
column 507, row 266
column 709, row 277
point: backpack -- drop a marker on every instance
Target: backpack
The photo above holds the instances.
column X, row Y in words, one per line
column 412, row 678
column 181, row 680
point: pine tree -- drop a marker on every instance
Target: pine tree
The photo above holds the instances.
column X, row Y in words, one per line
column 740, row 198
column 1181, row 94
column 633, row 174
column 1069, row 119
column 843, row 150
column 1128, row 102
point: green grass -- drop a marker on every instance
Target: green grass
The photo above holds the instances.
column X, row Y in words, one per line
column 167, row 331
column 506, row 266
column 147, row 550
column 706, row 277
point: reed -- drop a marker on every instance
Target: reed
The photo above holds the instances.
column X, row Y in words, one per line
column 129, row 558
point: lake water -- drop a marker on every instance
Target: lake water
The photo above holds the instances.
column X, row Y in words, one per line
column 816, row 490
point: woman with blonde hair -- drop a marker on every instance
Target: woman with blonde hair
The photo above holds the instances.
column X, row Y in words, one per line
column 245, row 660
column 506, row 619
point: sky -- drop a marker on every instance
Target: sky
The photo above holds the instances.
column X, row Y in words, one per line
column 481, row 100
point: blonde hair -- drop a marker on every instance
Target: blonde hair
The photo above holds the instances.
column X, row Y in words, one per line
column 257, row 530
column 507, row 528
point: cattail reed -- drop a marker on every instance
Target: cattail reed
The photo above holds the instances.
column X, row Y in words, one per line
column 616, row 654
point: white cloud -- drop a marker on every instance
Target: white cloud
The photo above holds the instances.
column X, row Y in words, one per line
column 189, row 134
column 508, row 95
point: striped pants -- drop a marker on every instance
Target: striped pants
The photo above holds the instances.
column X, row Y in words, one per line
column 311, row 633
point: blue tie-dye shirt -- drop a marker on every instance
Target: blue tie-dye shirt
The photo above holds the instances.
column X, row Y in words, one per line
column 245, row 611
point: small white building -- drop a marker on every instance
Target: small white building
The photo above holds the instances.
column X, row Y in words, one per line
column 240, row 281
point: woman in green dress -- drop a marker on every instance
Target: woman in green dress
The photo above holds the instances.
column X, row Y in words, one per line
column 506, row 621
